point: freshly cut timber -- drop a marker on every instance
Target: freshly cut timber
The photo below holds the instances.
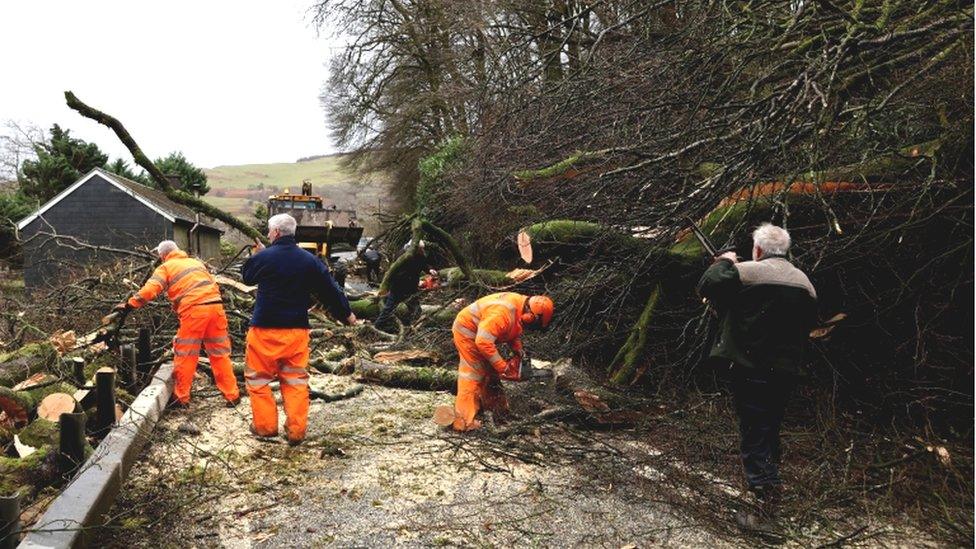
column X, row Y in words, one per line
column 444, row 415
column 19, row 405
column 56, row 404
column 410, row 356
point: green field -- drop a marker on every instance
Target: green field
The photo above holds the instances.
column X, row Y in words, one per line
column 239, row 189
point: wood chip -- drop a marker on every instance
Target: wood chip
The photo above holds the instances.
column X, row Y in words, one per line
column 23, row 450
column 590, row 401
column 85, row 397
column 64, row 341
column 525, row 246
column 444, row 415
column 33, row 380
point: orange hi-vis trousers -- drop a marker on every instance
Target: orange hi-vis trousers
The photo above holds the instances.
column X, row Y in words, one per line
column 478, row 385
column 282, row 354
column 206, row 325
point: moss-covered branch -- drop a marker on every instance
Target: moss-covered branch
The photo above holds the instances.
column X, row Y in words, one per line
column 566, row 167
column 370, row 308
column 625, row 363
column 407, row 377
column 452, row 276
column 564, row 238
column 420, row 227
column 445, row 239
column 142, row 160
column 19, row 364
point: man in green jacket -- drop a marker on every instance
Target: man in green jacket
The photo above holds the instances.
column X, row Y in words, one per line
column 766, row 308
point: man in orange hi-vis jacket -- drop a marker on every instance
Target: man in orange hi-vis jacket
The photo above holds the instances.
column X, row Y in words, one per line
column 195, row 297
column 478, row 328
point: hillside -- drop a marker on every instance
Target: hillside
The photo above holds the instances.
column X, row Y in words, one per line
column 239, row 189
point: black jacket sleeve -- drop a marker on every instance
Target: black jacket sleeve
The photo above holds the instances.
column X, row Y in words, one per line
column 720, row 283
column 251, row 270
column 329, row 294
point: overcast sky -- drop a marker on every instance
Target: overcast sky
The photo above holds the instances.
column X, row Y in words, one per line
column 224, row 81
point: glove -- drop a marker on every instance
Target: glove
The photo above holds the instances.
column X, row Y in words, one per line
column 513, row 369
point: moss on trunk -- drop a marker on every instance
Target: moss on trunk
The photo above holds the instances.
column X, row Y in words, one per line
column 453, row 277
column 407, row 377
column 29, row 474
column 370, row 308
column 40, row 433
column 19, row 364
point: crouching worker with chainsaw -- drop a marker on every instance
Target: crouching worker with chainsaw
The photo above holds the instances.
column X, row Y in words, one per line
column 478, row 329
column 277, row 340
column 196, row 300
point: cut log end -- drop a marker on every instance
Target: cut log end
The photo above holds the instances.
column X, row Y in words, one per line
column 525, row 246
column 56, row 404
column 444, row 415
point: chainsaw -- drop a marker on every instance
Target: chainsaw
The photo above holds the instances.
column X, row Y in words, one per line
column 526, row 372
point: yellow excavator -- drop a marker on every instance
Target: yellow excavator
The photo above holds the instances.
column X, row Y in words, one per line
column 321, row 229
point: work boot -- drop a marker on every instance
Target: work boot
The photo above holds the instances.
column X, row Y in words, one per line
column 263, row 438
column 232, row 403
column 291, row 441
column 760, row 516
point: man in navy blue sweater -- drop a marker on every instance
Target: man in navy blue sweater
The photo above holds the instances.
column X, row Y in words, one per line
column 277, row 340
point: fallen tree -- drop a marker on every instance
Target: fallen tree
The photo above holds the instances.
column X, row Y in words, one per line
column 420, row 228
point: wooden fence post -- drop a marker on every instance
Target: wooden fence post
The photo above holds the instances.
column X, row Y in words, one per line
column 9, row 521
column 105, row 398
column 71, row 443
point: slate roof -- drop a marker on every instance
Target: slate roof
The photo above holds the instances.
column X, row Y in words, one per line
column 153, row 198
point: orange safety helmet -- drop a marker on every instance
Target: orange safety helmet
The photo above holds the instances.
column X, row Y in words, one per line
column 541, row 308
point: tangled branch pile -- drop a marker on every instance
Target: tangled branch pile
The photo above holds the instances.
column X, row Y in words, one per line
column 850, row 124
column 597, row 127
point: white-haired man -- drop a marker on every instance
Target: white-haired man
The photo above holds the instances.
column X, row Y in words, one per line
column 195, row 297
column 766, row 308
column 277, row 340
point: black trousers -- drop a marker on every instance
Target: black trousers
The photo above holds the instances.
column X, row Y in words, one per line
column 394, row 298
column 760, row 399
column 373, row 271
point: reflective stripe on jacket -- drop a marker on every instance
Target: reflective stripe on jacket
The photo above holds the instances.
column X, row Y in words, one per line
column 493, row 319
column 185, row 280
